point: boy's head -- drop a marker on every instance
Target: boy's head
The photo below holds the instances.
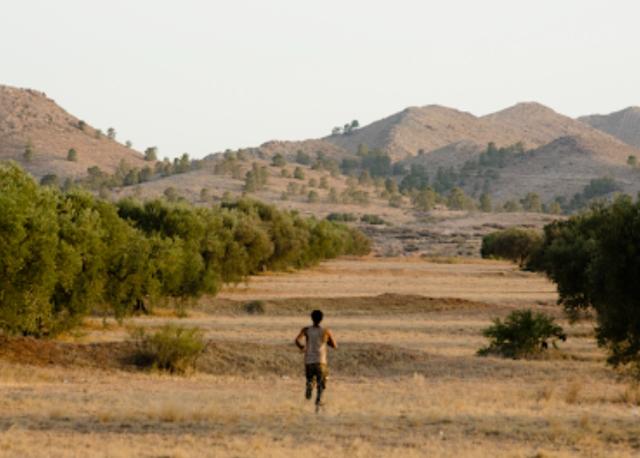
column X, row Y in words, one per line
column 316, row 317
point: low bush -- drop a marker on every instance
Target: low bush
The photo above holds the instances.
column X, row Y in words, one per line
column 172, row 348
column 372, row 219
column 515, row 244
column 522, row 334
column 342, row 217
column 255, row 307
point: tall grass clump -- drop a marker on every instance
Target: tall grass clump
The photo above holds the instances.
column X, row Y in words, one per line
column 172, row 348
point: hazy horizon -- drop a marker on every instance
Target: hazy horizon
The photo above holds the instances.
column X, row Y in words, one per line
column 202, row 77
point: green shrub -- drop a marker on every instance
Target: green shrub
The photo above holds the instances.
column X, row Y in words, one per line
column 72, row 155
column 298, row 173
column 255, row 307
column 278, row 160
column 515, row 244
column 342, row 217
column 172, row 348
column 372, row 219
column 522, row 334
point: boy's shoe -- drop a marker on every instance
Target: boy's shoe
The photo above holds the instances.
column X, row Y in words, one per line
column 309, row 392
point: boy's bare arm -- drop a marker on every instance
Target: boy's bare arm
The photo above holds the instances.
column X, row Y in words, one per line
column 331, row 341
column 298, row 342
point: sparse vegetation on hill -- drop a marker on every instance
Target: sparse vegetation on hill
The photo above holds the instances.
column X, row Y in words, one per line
column 28, row 116
column 597, row 188
column 347, row 129
column 256, row 178
column 623, row 124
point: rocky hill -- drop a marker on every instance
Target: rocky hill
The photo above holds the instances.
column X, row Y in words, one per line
column 30, row 118
column 423, row 128
column 564, row 167
column 623, row 124
column 432, row 128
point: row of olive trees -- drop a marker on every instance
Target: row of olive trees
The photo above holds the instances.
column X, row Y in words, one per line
column 65, row 255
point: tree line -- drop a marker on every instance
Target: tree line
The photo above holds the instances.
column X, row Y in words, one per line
column 68, row 254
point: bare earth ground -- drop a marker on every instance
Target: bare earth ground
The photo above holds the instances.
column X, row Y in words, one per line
column 405, row 381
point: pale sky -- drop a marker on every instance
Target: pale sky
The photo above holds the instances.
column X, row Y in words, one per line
column 201, row 76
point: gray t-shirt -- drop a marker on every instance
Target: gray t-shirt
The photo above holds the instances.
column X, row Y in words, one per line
column 316, row 346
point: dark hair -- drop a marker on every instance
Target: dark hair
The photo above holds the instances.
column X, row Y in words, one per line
column 316, row 316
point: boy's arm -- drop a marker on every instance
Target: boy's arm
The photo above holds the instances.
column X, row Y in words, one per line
column 331, row 341
column 298, row 342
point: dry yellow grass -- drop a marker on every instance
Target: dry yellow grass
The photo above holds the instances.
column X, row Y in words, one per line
column 489, row 281
column 431, row 397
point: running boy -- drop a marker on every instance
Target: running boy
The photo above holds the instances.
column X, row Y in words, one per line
column 315, row 354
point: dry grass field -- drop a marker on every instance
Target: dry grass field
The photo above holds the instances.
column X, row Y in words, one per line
column 405, row 381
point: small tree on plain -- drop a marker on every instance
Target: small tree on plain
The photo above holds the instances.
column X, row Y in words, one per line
column 532, row 202
column 485, row 203
column 515, row 244
column 424, row 200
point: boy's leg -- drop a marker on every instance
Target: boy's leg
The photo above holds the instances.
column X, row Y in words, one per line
column 321, row 375
column 309, row 376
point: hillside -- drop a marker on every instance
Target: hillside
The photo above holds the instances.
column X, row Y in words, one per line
column 434, row 127
column 536, row 124
column 310, row 147
column 424, row 128
column 563, row 168
column 559, row 157
column 30, row 117
column 623, row 124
